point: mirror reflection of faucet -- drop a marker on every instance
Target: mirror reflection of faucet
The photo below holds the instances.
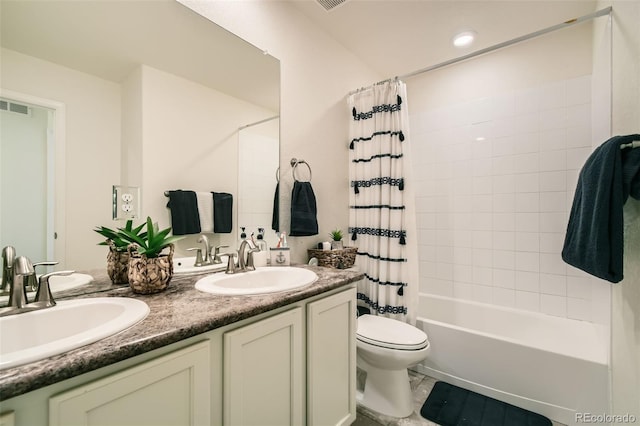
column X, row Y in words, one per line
column 23, row 275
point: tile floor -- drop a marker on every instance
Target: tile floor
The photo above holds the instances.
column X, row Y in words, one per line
column 421, row 386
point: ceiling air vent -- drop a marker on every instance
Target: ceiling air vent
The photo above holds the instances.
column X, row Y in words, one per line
column 330, row 4
column 6, row 105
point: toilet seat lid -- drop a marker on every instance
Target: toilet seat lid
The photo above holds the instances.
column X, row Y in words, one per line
column 390, row 333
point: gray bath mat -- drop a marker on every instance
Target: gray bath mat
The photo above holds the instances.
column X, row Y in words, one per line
column 449, row 405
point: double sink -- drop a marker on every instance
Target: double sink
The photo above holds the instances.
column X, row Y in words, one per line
column 33, row 336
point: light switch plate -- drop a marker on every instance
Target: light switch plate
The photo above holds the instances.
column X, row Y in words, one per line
column 126, row 202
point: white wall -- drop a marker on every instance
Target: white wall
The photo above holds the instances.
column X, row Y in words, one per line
column 492, row 213
column 92, row 146
column 625, row 307
column 316, row 74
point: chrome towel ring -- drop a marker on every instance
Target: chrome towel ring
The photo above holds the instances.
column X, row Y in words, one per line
column 294, row 164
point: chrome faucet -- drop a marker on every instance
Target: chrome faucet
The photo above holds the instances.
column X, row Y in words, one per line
column 8, row 258
column 246, row 265
column 23, row 274
column 206, row 258
column 207, row 250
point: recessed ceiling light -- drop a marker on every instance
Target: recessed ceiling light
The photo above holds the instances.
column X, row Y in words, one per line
column 464, row 38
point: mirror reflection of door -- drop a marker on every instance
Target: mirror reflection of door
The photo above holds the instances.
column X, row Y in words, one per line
column 26, row 170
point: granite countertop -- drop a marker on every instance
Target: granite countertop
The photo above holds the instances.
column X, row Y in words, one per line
column 175, row 314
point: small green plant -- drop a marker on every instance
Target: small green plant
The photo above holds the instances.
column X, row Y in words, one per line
column 152, row 241
column 336, row 235
column 119, row 241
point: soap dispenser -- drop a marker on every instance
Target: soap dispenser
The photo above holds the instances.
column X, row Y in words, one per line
column 260, row 257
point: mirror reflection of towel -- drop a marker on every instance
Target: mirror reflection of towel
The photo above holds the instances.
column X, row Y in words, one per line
column 222, row 212
column 185, row 218
column 303, row 210
column 275, row 217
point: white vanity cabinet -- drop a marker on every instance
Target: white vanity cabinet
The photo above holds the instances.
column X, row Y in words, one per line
column 172, row 389
column 331, row 360
column 263, row 372
column 294, row 365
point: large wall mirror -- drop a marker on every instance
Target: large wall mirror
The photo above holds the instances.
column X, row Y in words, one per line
column 146, row 94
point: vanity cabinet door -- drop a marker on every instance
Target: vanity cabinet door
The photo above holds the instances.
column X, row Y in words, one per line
column 331, row 360
column 173, row 389
column 263, row 372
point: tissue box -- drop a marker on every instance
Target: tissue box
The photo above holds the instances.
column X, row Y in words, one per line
column 280, row 256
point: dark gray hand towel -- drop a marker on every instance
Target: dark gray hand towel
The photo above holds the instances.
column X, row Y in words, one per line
column 595, row 240
column 222, row 212
column 303, row 210
column 275, row 216
column 185, row 218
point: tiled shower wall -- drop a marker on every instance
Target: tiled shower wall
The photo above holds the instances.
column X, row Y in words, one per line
column 495, row 182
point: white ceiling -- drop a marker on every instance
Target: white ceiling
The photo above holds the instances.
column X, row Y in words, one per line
column 396, row 37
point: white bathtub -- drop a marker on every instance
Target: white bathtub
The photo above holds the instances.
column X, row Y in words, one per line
column 553, row 366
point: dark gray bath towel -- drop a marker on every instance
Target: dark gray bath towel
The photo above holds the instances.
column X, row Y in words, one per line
column 303, row 210
column 595, row 240
column 185, row 218
column 222, row 212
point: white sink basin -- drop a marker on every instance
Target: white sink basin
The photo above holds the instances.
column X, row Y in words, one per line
column 36, row 335
column 268, row 279
column 184, row 266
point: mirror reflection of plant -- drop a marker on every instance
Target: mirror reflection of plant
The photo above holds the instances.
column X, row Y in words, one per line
column 149, row 243
column 336, row 234
column 120, row 242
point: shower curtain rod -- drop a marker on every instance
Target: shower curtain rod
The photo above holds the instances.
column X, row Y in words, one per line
column 570, row 22
column 258, row 122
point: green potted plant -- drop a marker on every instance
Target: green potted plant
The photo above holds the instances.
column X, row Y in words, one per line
column 150, row 270
column 336, row 239
column 118, row 256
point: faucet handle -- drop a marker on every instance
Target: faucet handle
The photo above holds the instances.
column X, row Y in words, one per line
column 199, row 261
column 43, row 295
column 250, row 265
column 32, row 281
column 216, row 254
column 22, row 271
column 231, row 263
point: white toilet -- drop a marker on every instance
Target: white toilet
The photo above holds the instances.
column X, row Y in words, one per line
column 385, row 349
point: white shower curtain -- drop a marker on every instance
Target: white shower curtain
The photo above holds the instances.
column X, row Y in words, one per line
column 380, row 191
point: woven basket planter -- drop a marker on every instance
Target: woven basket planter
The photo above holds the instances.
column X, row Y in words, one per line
column 117, row 265
column 341, row 258
column 150, row 275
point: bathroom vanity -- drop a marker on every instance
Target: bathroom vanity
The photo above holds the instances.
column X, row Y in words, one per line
column 203, row 359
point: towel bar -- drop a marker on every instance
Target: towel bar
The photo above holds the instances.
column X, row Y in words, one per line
column 294, row 164
column 634, row 144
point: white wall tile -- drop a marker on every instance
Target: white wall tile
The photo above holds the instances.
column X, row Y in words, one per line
column 553, row 284
column 528, row 241
column 553, row 140
column 553, row 305
column 504, row 278
column 553, row 201
column 528, row 281
column 527, row 261
column 528, row 182
column 504, row 259
column 553, row 181
column 527, row 202
column 492, row 214
column 579, row 309
column 528, row 301
column 503, row 240
column 504, row 297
